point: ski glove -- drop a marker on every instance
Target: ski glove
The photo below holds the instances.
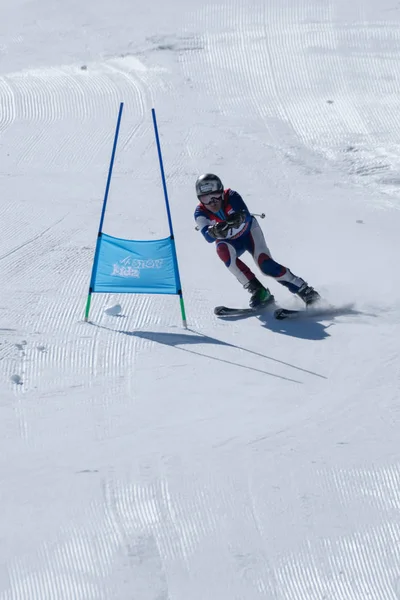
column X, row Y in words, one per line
column 219, row 231
column 236, row 219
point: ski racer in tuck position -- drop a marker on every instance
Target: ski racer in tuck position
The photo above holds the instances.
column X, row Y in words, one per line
column 223, row 217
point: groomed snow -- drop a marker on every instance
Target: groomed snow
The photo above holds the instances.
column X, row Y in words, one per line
column 241, row 460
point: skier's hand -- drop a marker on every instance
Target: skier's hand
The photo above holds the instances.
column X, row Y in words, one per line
column 236, row 219
column 219, row 230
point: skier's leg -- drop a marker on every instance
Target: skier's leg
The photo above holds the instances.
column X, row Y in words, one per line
column 230, row 257
column 229, row 254
column 262, row 256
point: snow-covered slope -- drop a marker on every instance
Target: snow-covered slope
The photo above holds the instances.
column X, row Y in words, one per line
column 241, row 460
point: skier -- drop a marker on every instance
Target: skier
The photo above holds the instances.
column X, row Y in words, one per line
column 223, row 217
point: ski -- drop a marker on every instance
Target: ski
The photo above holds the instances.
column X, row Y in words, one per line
column 278, row 313
column 316, row 310
column 227, row 311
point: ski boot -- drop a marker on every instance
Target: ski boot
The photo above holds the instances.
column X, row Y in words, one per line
column 308, row 294
column 260, row 296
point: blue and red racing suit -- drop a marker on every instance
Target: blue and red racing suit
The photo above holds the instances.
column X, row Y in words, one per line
column 247, row 237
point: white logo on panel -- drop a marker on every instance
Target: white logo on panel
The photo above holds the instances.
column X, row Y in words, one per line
column 130, row 267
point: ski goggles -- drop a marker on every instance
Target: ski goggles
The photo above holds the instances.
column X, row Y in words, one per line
column 211, row 198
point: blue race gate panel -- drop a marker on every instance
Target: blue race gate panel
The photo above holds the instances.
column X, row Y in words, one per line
column 139, row 267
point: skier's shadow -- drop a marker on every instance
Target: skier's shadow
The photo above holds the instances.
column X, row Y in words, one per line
column 306, row 329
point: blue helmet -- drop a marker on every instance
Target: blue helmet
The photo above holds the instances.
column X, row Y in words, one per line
column 208, row 183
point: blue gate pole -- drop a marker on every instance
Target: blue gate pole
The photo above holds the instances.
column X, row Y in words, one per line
column 182, row 304
column 103, row 212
